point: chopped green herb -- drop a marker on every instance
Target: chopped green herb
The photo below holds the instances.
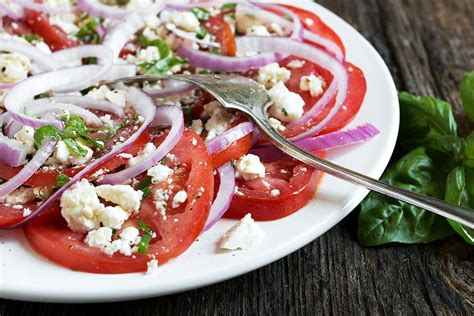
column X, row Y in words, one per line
column 61, row 179
column 143, row 186
column 45, row 132
column 201, row 13
column 42, row 96
column 284, row 111
column 163, row 48
column 32, row 38
column 90, row 61
column 88, row 33
column 202, row 32
column 161, row 66
column 86, row 90
column 228, row 6
column 122, row 2
column 144, row 227
column 144, row 243
column 75, row 148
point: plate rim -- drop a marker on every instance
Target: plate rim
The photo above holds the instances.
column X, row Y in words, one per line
column 37, row 295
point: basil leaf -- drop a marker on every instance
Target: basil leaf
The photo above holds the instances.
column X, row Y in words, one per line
column 161, row 66
column 61, row 179
column 44, row 132
column 460, row 191
column 163, row 48
column 384, row 220
column 467, row 94
column 423, row 118
column 32, row 38
column 88, row 32
column 74, row 147
column 228, row 6
column 143, row 186
column 201, row 13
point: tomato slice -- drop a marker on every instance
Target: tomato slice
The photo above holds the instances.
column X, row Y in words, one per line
column 295, row 181
column 48, row 177
column 223, row 33
column 52, row 35
column 317, row 26
column 50, row 236
column 357, row 88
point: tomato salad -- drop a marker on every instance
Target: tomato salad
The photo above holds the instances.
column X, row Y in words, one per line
column 119, row 179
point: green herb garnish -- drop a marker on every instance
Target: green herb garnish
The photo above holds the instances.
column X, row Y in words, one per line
column 88, row 32
column 143, row 186
column 61, row 179
column 166, row 61
column 146, row 238
column 203, row 31
column 32, row 38
column 46, row 132
column 437, row 163
column 228, row 6
column 201, row 13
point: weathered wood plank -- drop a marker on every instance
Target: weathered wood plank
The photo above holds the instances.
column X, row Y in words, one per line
column 427, row 45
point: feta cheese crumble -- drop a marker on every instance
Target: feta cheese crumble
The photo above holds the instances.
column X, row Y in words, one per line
column 219, row 119
column 243, row 235
column 179, row 198
column 26, row 136
column 145, row 152
column 271, row 74
column 117, row 97
column 159, row 173
column 152, row 266
column 13, row 67
column 287, row 106
column 295, row 63
column 185, row 20
column 63, row 155
column 249, row 167
column 257, row 30
column 121, row 194
column 196, row 126
column 276, row 124
column 313, row 84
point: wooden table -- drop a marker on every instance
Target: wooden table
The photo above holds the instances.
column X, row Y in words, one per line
column 428, row 45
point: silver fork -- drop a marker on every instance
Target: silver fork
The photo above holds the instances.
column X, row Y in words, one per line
column 245, row 95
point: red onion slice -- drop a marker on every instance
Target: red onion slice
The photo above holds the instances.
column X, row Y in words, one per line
column 25, row 91
column 190, row 36
column 122, row 33
column 13, row 152
column 96, row 8
column 166, row 115
column 329, row 45
column 103, row 53
column 86, row 102
column 146, row 109
column 43, row 7
column 43, row 60
column 224, row 195
column 30, row 168
column 13, row 11
column 338, row 85
column 224, row 63
column 224, row 140
column 323, row 142
column 41, row 107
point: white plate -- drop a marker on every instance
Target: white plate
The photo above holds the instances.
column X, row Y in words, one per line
column 27, row 276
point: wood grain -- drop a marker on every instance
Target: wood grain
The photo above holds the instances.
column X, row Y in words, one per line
column 428, row 45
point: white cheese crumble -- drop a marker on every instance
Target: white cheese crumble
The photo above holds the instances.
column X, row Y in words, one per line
column 219, row 119
column 117, row 97
column 272, row 73
column 196, row 126
column 107, row 120
column 63, row 156
column 179, row 198
column 22, row 195
column 313, row 84
column 257, row 30
column 249, row 167
column 145, row 152
column 152, row 266
column 275, row 192
column 102, row 238
column 287, row 106
column 113, row 216
column 276, row 124
column 26, row 136
column 243, row 235
column 99, row 238
column 121, row 194
column 185, row 20
column 13, row 67
column 159, row 173
column 295, row 63
column 80, row 207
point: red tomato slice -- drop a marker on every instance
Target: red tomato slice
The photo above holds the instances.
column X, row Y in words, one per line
column 10, row 216
column 236, row 150
column 49, row 235
column 295, row 181
column 52, row 35
column 223, row 33
column 357, row 88
column 317, row 26
column 48, row 177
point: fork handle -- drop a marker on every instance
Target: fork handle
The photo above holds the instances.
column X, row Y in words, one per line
column 459, row 214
